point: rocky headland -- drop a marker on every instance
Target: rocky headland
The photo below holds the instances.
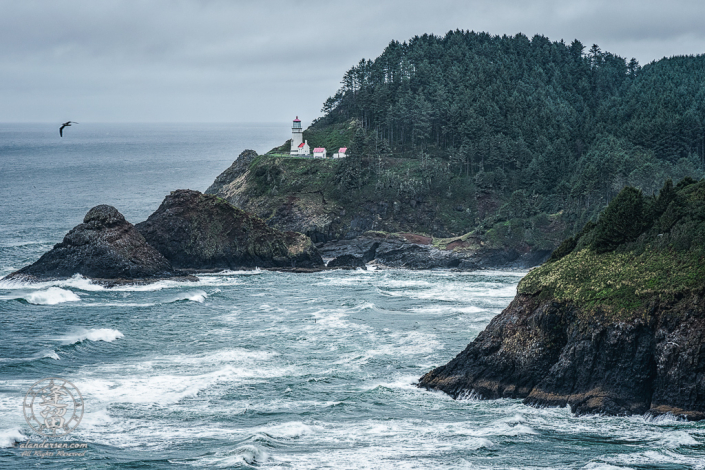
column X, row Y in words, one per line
column 296, row 194
column 196, row 231
column 104, row 247
column 613, row 323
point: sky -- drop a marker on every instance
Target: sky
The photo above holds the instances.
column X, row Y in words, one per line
column 269, row 61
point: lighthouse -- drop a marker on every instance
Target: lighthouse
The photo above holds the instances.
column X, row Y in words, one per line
column 298, row 146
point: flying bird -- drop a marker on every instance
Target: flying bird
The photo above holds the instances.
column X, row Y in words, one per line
column 66, row 124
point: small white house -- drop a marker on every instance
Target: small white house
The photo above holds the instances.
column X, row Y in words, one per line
column 302, row 150
column 319, row 152
column 341, row 153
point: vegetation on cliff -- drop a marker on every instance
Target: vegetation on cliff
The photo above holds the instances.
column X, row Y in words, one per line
column 641, row 248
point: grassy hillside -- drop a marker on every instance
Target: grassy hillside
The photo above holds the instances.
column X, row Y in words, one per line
column 642, row 249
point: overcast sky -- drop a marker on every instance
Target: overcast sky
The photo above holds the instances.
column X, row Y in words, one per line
column 268, row 61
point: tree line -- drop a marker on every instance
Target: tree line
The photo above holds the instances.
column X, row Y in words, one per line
column 510, row 114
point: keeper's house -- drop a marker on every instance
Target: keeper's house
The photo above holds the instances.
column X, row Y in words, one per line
column 341, row 153
column 319, row 152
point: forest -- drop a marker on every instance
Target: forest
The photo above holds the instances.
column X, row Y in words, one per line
column 520, row 118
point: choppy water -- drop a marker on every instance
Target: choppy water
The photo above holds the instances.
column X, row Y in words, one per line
column 259, row 369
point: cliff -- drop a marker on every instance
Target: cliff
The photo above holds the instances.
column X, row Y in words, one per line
column 317, row 197
column 613, row 323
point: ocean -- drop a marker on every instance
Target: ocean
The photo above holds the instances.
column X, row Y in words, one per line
column 257, row 369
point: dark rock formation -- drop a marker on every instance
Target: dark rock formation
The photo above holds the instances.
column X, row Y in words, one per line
column 104, row 246
column 553, row 354
column 197, row 231
column 352, row 261
column 238, row 168
column 416, row 252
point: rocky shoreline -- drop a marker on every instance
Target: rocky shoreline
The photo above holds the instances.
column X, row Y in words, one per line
column 412, row 251
column 554, row 354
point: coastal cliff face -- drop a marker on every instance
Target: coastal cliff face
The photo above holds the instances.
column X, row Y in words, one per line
column 305, row 195
column 197, row 231
column 613, row 323
column 104, row 246
column 553, row 354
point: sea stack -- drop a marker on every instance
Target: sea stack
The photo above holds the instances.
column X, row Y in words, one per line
column 200, row 231
column 613, row 322
column 104, row 246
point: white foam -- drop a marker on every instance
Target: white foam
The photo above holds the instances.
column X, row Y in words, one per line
column 51, row 354
column 603, row 466
column 248, row 454
column 194, row 296
column 448, row 309
column 75, row 282
column 97, row 334
column 8, row 437
column 51, row 296
column 675, row 439
column 290, row 430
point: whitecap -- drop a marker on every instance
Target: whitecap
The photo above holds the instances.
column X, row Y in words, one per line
column 248, row 454
column 97, row 334
column 603, row 466
column 9, row 437
column 290, row 430
column 51, row 296
column 51, row 354
column 676, row 439
column 75, row 282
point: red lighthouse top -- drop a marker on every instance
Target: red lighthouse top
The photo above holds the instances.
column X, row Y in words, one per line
column 297, row 119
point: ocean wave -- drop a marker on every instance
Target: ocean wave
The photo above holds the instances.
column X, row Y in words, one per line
column 195, row 296
column 675, row 439
column 97, row 334
column 46, row 354
column 248, row 454
column 9, row 437
column 289, row 430
column 75, row 282
column 603, row 466
column 50, row 296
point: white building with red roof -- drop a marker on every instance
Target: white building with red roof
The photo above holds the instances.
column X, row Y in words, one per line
column 319, row 152
column 341, row 153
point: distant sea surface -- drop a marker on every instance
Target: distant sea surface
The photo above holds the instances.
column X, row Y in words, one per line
column 257, row 369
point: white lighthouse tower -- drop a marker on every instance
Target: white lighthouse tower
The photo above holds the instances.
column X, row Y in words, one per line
column 298, row 146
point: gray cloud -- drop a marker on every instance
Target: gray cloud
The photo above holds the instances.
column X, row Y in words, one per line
column 217, row 60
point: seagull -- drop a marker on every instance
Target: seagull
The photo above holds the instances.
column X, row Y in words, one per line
column 66, row 124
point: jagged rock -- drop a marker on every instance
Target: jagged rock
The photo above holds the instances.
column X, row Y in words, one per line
column 104, row 246
column 238, row 168
column 554, row 354
column 352, row 261
column 346, row 261
column 199, row 231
